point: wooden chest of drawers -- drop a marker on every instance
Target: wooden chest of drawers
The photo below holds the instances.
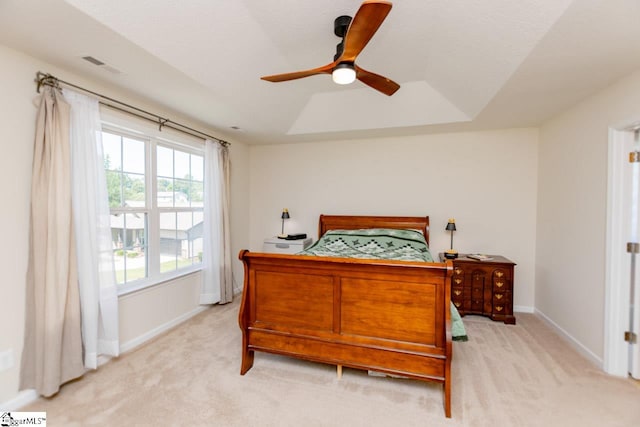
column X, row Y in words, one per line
column 483, row 287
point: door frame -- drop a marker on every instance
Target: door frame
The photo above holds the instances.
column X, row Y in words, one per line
column 617, row 266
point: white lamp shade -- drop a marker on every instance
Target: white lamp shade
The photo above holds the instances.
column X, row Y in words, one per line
column 344, row 74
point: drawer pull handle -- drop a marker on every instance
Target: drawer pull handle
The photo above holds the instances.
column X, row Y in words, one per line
column 458, row 281
column 457, row 271
column 457, row 304
column 498, row 308
column 282, row 246
column 457, row 292
column 499, row 273
column 499, row 284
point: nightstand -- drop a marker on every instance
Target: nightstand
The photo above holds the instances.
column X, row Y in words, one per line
column 483, row 287
column 284, row 246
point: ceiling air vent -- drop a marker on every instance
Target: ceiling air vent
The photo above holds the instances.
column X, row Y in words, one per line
column 93, row 60
column 101, row 64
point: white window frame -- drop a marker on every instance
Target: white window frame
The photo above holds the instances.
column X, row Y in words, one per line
column 157, row 210
column 127, row 126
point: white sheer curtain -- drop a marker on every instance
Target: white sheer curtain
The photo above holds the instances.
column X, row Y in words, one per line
column 217, row 285
column 96, row 274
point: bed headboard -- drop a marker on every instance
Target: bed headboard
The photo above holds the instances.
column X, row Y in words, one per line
column 349, row 222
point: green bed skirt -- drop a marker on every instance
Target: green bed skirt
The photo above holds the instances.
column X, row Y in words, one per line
column 458, row 332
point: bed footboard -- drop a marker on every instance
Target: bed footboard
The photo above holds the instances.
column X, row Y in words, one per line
column 386, row 316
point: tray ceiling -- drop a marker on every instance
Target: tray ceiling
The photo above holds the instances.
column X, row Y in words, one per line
column 461, row 65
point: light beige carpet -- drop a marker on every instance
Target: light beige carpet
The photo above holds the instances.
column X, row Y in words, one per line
column 522, row 375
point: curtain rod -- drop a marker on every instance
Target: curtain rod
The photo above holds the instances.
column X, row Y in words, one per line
column 43, row 79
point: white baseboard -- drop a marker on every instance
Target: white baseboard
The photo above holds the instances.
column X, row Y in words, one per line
column 22, row 399
column 580, row 348
column 523, row 309
column 28, row 396
column 131, row 344
column 237, row 288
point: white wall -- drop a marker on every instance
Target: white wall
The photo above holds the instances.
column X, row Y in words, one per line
column 572, row 207
column 494, row 183
column 486, row 180
column 142, row 313
column 16, row 143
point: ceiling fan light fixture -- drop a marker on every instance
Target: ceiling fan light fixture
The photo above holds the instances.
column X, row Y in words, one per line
column 344, row 74
column 355, row 34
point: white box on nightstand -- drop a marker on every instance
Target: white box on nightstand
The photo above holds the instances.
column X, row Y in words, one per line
column 283, row 246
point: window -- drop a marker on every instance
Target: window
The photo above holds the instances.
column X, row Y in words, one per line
column 179, row 198
column 156, row 199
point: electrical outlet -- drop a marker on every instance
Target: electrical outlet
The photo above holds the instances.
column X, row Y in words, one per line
column 6, row 360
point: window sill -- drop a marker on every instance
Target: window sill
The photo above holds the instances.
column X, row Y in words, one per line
column 149, row 283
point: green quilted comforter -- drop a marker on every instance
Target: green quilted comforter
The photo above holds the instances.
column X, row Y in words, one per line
column 380, row 243
column 377, row 243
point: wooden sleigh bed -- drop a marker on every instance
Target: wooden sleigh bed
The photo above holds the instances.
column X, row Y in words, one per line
column 386, row 316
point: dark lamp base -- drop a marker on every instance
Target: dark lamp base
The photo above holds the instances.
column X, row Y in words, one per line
column 451, row 254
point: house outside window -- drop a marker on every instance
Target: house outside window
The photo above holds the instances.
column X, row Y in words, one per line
column 156, row 190
column 180, row 203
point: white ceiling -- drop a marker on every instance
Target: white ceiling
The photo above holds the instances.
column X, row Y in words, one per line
column 461, row 64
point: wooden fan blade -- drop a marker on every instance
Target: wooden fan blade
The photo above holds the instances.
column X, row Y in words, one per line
column 325, row 69
column 378, row 82
column 363, row 26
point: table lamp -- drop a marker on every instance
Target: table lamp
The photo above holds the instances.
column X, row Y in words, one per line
column 285, row 215
column 451, row 227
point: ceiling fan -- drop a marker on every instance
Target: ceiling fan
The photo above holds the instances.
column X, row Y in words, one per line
column 355, row 34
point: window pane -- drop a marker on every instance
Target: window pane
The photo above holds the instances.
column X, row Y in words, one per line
column 133, row 158
column 197, row 167
column 129, row 237
column 168, row 242
column 181, row 192
column 134, row 191
column 164, row 193
column 165, row 198
column 111, row 146
column 118, row 263
column 184, row 235
column 164, row 185
column 180, row 240
column 165, row 162
column 135, row 225
column 197, row 193
column 117, row 230
column 114, row 188
column 112, row 152
column 195, row 237
column 181, row 164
